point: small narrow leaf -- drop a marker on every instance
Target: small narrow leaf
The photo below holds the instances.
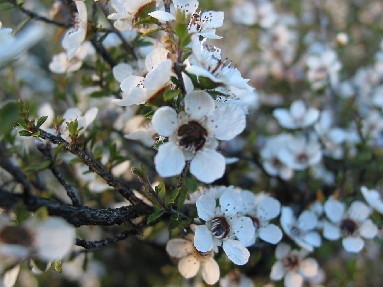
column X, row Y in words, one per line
column 174, row 196
column 41, row 120
column 154, row 216
column 171, row 94
column 173, row 224
column 25, row 133
column 58, row 266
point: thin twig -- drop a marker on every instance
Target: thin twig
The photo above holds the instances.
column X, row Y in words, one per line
column 37, row 17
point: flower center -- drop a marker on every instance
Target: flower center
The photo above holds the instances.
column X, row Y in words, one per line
column 192, row 136
column 348, row 227
column 16, row 235
column 220, row 227
column 291, row 261
column 302, row 158
column 295, row 231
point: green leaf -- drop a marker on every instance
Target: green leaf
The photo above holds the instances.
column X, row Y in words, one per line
column 9, row 115
column 161, row 190
column 154, row 216
column 171, row 94
column 174, row 195
column 182, row 199
column 25, row 133
column 6, row 7
column 378, row 241
column 173, row 224
column 39, row 166
column 191, row 184
column 42, row 213
column 41, row 120
column 20, row 26
column 99, row 94
column 58, row 266
column 58, row 149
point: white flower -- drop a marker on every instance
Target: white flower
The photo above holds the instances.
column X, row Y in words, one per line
column 261, row 209
column 193, row 135
column 297, row 117
column 270, row 157
column 373, row 198
column 292, row 265
column 301, row 229
column 50, row 240
column 128, row 12
column 323, row 68
column 138, row 90
column 191, row 260
column 75, row 36
column 351, row 225
column 236, row 279
column 300, row 154
column 224, row 226
column 372, row 124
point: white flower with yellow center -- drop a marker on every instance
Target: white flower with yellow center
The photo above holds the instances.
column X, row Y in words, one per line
column 193, row 136
column 192, row 260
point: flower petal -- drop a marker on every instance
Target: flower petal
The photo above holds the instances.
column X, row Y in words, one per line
column 268, row 208
column 353, row 244
column 282, row 250
column 208, row 165
column 307, row 220
column 277, row 271
column 169, row 160
column 198, row 104
column 359, row 211
column 293, row 279
column 368, row 229
column 206, row 207
column 210, row 271
column 178, row 247
column 188, row 266
column 309, row 267
column 165, row 121
column 159, row 76
column 334, row 209
column 236, row 251
column 226, row 127
column 270, row 233
column 244, row 229
column 203, row 240
column 162, row 16
column 330, row 231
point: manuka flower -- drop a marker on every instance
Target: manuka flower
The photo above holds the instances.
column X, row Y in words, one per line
column 192, row 260
column 373, row 198
column 351, row 225
column 292, row 265
column 261, row 208
column 224, row 226
column 301, row 229
column 297, row 117
column 193, row 136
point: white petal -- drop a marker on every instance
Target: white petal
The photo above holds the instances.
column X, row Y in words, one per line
column 159, row 76
column 330, row 231
column 287, row 218
column 210, row 271
column 206, row 207
column 188, row 266
column 229, row 201
column 311, row 116
column 353, row 244
column 309, row 267
column 284, row 119
column 162, row 16
column 122, row 71
column 208, row 165
column 54, row 239
column 277, row 271
column 178, row 247
column 165, row 121
column 334, row 209
column 236, row 251
column 90, row 115
column 203, row 240
column 244, row 229
column 198, row 104
column 373, row 198
column 227, row 122
column 359, row 211
column 293, row 279
column 212, row 19
column 368, row 229
column 169, row 160
column 10, row 276
column 270, row 233
column 268, row 208
column 298, row 109
column 282, row 250
column 307, row 220
column 313, row 238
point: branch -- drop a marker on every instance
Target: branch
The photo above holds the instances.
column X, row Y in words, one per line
column 93, row 165
column 77, row 216
column 37, row 17
column 103, row 242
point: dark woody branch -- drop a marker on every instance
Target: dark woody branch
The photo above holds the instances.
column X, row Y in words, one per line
column 76, row 215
